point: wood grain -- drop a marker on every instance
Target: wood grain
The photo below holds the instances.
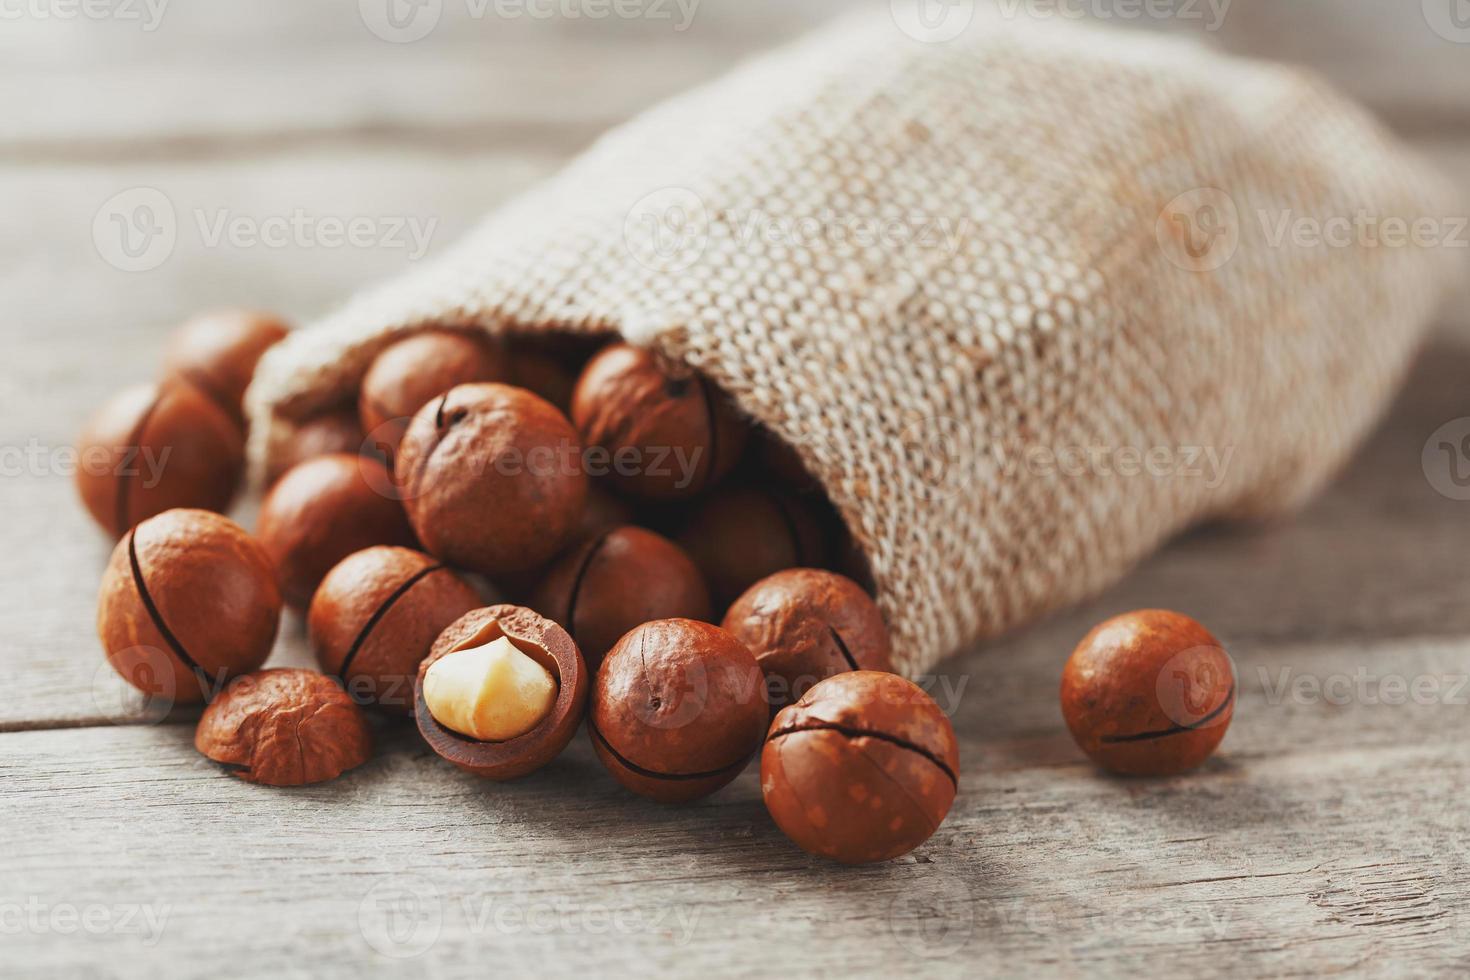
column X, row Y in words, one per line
column 1327, row 836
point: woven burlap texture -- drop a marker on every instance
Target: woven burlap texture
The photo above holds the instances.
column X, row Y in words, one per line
column 1022, row 299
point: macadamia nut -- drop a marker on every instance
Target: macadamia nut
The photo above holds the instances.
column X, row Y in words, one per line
column 492, row 692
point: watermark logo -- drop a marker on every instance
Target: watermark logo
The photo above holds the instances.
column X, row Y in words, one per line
column 136, row 230
column 401, row 918
column 668, row 230
column 1365, row 687
column 933, row 21
column 941, row 453
column 147, row 699
column 1446, row 459
column 933, row 918
column 400, row 21
column 1199, row 231
column 1192, row 686
column 1450, row 19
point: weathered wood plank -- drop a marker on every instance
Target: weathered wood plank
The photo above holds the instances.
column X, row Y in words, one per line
column 1323, row 837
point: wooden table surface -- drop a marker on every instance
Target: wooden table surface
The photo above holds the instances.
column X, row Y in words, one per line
column 1330, row 834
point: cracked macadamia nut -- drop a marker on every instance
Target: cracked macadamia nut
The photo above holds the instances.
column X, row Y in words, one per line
column 411, row 372
column 804, row 625
column 218, row 352
column 156, row 447
column 1148, row 693
column 863, row 768
column 501, row 693
column 188, row 601
column 320, row 512
column 375, row 617
column 668, row 432
column 492, row 479
column 678, row 708
column 492, row 692
column 285, row 727
column 743, row 533
column 620, row 579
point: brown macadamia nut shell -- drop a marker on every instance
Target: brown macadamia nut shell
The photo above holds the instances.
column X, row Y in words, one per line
column 678, row 708
column 323, row 510
column 334, row 432
column 285, row 727
column 219, row 351
column 541, row 640
column 684, row 432
column 375, row 617
column 154, row 448
column 410, row 373
column 620, row 579
column 1148, row 693
column 805, row 625
column 188, row 601
column 743, row 533
column 492, row 478
column 863, row 768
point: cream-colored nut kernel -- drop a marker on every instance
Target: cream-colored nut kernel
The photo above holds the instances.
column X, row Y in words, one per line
column 491, row 693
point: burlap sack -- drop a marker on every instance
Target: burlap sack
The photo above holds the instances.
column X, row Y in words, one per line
column 1007, row 294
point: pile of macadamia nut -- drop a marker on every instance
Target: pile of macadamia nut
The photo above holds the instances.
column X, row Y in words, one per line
column 503, row 539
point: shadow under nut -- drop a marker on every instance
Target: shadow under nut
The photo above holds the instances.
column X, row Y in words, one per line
column 543, row 641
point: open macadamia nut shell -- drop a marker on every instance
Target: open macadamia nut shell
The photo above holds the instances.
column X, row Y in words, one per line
column 285, row 727
column 541, row 640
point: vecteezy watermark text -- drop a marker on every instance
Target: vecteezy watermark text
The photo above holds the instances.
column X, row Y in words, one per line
column 35, row 917
column 137, row 230
column 148, row 14
column 1364, row 686
column 404, row 918
column 37, row 459
column 1210, row 14
column 406, row 21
